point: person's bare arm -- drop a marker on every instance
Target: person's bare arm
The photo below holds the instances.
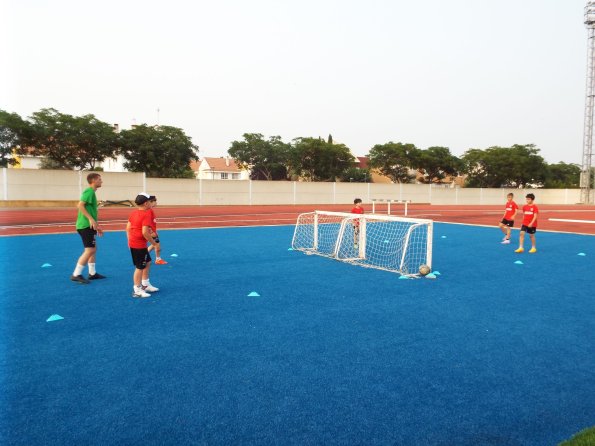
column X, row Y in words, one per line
column 147, row 235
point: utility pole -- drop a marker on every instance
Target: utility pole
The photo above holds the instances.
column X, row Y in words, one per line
column 585, row 180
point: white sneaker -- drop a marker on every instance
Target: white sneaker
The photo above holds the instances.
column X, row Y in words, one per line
column 150, row 288
column 506, row 242
column 139, row 292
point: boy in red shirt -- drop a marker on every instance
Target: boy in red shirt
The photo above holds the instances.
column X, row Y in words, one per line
column 138, row 232
column 158, row 260
column 507, row 221
column 530, row 213
column 357, row 209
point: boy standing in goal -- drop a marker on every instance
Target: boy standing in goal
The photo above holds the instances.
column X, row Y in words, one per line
column 530, row 213
column 357, row 209
column 507, row 221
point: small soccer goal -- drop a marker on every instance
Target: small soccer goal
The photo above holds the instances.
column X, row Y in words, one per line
column 395, row 244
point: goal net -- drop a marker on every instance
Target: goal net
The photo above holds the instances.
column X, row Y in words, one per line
column 395, row 244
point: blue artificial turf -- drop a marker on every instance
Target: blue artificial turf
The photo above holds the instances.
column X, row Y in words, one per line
column 490, row 353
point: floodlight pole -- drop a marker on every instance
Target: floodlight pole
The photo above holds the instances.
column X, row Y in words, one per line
column 585, row 179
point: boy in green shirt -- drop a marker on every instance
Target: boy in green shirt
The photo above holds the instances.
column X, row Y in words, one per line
column 88, row 227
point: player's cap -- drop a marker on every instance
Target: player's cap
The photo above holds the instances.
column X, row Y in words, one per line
column 142, row 198
column 152, row 198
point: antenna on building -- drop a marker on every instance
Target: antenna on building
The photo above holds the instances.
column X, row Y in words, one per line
column 585, row 181
column 158, row 116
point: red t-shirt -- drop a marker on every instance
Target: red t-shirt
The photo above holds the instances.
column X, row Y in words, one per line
column 357, row 211
column 138, row 219
column 510, row 210
column 529, row 211
column 153, row 221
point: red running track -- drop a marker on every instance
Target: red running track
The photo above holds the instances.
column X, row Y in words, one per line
column 23, row 221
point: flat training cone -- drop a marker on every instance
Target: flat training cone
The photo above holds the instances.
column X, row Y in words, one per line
column 518, row 262
column 430, row 276
column 403, row 277
column 436, row 273
column 581, row 254
column 443, row 236
column 54, row 317
column 253, row 294
column 290, row 249
column 174, row 255
column 46, row 265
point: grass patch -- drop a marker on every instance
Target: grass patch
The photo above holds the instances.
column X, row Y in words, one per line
column 583, row 438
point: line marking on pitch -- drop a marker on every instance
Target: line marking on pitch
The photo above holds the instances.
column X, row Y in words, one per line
column 573, row 221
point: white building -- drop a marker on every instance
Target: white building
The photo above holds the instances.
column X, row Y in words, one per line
column 223, row 168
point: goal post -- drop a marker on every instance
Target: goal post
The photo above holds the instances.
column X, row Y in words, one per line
column 390, row 243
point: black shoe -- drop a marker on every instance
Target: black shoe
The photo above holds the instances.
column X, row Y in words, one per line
column 96, row 276
column 80, row 279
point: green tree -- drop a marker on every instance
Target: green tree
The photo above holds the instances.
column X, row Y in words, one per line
column 317, row 160
column 356, row 175
column 70, row 142
column 516, row 166
column 12, row 130
column 160, row 152
column 436, row 163
column 266, row 159
column 395, row 160
column 562, row 175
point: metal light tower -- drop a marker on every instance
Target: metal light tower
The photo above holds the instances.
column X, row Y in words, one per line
column 586, row 193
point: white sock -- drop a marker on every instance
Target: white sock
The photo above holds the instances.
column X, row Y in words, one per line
column 146, row 282
column 92, row 268
column 158, row 258
column 78, row 270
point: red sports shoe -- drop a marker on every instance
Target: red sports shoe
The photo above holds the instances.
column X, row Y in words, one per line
column 160, row 262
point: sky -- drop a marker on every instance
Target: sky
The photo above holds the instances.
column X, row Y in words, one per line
column 460, row 74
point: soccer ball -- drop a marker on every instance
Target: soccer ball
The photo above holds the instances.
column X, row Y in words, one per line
column 424, row 270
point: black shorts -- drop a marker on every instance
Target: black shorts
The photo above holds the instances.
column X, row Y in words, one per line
column 529, row 230
column 140, row 257
column 509, row 223
column 88, row 236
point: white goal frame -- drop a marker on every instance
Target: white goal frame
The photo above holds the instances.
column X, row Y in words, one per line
column 391, row 243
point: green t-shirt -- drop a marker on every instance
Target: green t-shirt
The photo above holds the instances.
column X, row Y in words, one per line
column 88, row 196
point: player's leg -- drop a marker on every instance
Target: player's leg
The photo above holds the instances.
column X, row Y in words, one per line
column 355, row 235
column 503, row 227
column 139, row 261
column 146, row 283
column 93, row 274
column 533, row 246
column 158, row 260
column 521, row 239
column 88, row 239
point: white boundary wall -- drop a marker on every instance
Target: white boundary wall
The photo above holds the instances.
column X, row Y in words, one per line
column 37, row 184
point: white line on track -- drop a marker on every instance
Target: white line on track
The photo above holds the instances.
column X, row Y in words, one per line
column 573, row 221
